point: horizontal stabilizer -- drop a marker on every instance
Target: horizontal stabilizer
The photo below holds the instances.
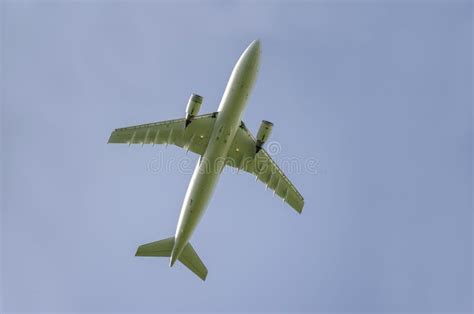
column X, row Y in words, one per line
column 157, row 248
column 191, row 260
column 164, row 247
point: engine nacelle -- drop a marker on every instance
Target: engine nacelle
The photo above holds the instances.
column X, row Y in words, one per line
column 263, row 133
column 192, row 109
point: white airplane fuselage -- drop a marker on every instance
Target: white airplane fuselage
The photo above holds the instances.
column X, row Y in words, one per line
column 210, row 165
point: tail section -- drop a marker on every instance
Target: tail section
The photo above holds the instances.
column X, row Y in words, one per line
column 191, row 260
column 157, row 248
column 164, row 247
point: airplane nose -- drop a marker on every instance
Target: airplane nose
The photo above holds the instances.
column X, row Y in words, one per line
column 253, row 49
column 255, row 46
column 250, row 57
column 256, row 43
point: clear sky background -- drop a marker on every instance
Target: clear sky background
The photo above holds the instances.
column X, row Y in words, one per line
column 379, row 93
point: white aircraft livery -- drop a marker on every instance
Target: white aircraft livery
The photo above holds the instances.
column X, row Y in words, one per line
column 220, row 138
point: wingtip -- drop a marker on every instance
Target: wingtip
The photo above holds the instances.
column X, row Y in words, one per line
column 139, row 252
column 110, row 138
column 299, row 210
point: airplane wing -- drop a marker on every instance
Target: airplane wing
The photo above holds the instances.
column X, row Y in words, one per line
column 242, row 156
column 194, row 137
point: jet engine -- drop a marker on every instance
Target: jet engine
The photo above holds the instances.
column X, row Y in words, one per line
column 263, row 133
column 192, row 109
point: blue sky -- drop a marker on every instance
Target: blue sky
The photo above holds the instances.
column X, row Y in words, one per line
column 378, row 93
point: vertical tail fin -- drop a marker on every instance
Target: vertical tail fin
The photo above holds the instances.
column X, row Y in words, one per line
column 164, row 247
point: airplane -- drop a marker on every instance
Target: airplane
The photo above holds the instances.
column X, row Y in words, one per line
column 221, row 139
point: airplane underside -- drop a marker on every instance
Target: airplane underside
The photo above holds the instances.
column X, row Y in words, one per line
column 221, row 139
